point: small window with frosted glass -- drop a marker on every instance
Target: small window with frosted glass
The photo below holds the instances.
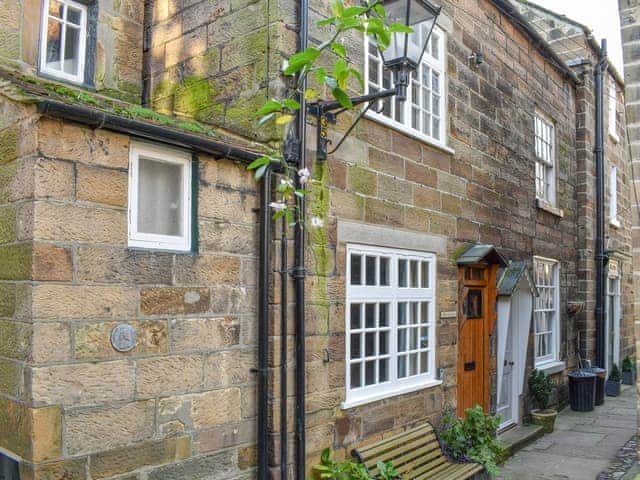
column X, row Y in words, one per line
column 159, row 198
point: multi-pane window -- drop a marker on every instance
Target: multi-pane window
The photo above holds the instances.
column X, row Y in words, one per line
column 63, row 39
column 390, row 320
column 613, row 196
column 545, row 159
column 423, row 112
column 546, row 310
column 159, row 198
column 613, row 110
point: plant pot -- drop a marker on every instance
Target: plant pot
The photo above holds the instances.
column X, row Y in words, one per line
column 545, row 418
column 627, row 377
column 613, row 388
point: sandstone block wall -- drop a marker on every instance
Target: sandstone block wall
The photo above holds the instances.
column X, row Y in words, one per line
column 181, row 404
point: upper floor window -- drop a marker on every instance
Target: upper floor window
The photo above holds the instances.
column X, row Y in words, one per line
column 613, row 197
column 159, row 198
column 546, row 311
column 613, row 110
column 545, row 159
column 63, row 39
column 390, row 322
column 422, row 114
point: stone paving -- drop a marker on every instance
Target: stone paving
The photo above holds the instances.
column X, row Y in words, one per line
column 625, row 465
column 583, row 445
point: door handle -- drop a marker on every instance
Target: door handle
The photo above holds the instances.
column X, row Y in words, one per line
column 511, row 363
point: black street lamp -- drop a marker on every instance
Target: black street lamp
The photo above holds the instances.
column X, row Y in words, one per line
column 402, row 57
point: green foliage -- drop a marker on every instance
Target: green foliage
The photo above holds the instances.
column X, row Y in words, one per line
column 541, row 389
column 330, row 469
column 473, row 439
column 614, row 374
column 627, row 364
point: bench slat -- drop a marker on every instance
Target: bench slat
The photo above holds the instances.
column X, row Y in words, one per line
column 398, row 449
column 403, row 437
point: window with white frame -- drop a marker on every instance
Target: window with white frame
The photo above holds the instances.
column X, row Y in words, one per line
column 390, row 322
column 613, row 110
column 545, row 159
column 546, row 321
column 159, row 198
column 613, row 196
column 423, row 113
column 63, row 39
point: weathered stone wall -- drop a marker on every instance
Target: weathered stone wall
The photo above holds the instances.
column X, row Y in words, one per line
column 483, row 191
column 118, row 55
column 182, row 403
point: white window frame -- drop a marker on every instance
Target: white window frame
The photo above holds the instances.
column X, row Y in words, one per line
column 613, row 110
column 613, row 197
column 154, row 241
column 553, row 357
column 391, row 294
column 438, row 65
column 547, row 165
column 44, row 25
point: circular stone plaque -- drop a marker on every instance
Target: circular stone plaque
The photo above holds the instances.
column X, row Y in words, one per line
column 123, row 337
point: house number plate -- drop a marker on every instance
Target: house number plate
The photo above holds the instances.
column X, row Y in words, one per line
column 123, row 337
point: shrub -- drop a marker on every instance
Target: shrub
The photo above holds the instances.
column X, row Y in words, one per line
column 330, row 469
column 473, row 439
column 627, row 364
column 541, row 388
column 614, row 374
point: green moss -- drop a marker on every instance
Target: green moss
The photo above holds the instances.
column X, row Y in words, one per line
column 193, row 95
column 9, row 138
column 7, row 304
column 7, row 224
column 10, row 373
column 453, row 259
column 7, row 174
column 318, row 236
column 362, row 181
column 15, row 262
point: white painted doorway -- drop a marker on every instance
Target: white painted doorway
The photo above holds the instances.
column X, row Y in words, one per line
column 507, row 406
column 613, row 323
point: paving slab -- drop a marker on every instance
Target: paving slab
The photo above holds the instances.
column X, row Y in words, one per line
column 583, row 445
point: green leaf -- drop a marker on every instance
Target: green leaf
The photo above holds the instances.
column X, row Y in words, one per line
column 339, row 49
column 379, row 9
column 300, row 60
column 341, row 72
column 258, row 162
column 396, row 27
column 284, row 119
column 327, row 21
column 291, row 104
column 341, row 96
column 310, row 94
column 356, row 73
column 321, row 75
column 337, row 7
column 260, row 172
column 354, row 11
column 269, row 107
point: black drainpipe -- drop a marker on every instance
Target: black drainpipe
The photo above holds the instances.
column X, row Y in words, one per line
column 299, row 272
column 146, row 53
column 600, row 257
column 263, row 325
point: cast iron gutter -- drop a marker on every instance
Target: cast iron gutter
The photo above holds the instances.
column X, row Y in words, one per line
column 600, row 257
column 299, row 272
column 100, row 119
column 541, row 44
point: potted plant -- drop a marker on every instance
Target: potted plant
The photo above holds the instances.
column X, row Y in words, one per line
column 541, row 388
column 627, row 371
column 613, row 384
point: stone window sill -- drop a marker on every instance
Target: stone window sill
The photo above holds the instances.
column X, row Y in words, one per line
column 547, row 207
column 614, row 222
column 347, row 404
column 549, row 368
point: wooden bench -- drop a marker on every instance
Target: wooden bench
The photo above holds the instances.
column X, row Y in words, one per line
column 416, row 454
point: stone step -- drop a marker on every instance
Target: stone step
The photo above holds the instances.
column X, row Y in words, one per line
column 517, row 438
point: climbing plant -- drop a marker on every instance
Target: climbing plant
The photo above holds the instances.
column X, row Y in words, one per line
column 369, row 19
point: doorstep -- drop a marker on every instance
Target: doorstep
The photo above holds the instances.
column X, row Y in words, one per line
column 519, row 437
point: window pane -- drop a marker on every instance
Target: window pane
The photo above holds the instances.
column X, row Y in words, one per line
column 370, row 272
column 370, row 372
column 356, row 380
column 425, row 275
column 383, row 365
column 402, row 273
column 414, row 274
column 56, row 9
column 356, row 266
column 74, row 15
column 383, row 343
column 424, row 337
column 72, row 51
column 413, row 364
column 356, row 350
column 402, row 366
column 356, row 322
column 413, row 315
column 402, row 313
column 160, row 198
column 473, row 304
column 370, row 344
column 402, row 340
column 424, row 312
column 424, row 362
column 54, row 44
column 383, row 315
column 413, row 339
column 384, row 271
column 370, row 315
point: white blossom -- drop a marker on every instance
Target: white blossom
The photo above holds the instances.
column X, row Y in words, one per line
column 304, row 175
column 278, row 206
column 316, row 222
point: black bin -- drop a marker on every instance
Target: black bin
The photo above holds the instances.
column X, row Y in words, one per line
column 601, row 377
column 582, row 390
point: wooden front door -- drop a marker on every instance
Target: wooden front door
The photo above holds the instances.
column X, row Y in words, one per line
column 477, row 317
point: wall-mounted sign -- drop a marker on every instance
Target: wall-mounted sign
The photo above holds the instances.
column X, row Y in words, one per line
column 123, row 337
column 451, row 314
column 613, row 268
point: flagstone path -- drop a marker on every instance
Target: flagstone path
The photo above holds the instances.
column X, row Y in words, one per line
column 584, row 445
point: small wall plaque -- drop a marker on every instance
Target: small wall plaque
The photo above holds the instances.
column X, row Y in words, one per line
column 452, row 314
column 123, row 337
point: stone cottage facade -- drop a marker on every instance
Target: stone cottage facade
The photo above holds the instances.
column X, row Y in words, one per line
column 129, row 236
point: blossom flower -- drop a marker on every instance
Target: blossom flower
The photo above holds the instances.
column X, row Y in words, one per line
column 278, row 206
column 304, row 175
column 316, row 222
